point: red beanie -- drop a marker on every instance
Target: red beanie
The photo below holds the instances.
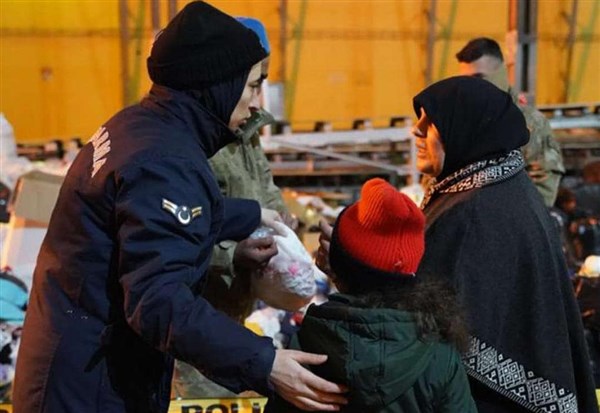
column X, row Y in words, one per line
column 384, row 230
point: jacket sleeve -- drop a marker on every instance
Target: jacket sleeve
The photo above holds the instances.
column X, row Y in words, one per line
column 242, row 216
column 161, row 261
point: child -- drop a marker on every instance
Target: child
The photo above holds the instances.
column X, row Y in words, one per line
column 390, row 338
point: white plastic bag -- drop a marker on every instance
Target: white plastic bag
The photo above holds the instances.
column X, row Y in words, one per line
column 288, row 281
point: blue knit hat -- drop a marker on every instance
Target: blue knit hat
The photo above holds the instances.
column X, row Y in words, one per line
column 257, row 27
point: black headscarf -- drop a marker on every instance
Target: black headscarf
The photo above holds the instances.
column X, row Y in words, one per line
column 476, row 120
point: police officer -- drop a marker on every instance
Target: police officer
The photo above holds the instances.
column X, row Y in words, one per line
column 115, row 295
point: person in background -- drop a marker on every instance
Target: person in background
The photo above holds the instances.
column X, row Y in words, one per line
column 568, row 217
column 588, row 193
column 482, row 57
column 582, row 208
column 117, row 288
column 242, row 171
column 391, row 337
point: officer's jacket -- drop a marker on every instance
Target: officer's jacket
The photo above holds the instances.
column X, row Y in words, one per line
column 116, row 290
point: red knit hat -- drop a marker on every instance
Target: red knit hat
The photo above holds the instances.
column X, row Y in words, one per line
column 384, row 232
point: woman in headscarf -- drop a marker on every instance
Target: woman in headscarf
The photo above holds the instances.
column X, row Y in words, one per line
column 488, row 230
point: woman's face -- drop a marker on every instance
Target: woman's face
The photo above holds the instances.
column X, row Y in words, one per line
column 430, row 150
column 249, row 101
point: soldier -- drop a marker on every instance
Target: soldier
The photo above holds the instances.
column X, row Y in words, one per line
column 242, row 171
column 482, row 57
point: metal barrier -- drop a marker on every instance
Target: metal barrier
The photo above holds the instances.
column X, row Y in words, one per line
column 576, row 127
column 388, row 151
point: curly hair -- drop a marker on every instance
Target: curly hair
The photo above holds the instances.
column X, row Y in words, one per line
column 434, row 304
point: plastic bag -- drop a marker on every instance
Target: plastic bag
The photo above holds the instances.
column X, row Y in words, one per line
column 288, row 281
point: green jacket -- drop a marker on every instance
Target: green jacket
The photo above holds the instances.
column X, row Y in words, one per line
column 242, row 171
column 376, row 353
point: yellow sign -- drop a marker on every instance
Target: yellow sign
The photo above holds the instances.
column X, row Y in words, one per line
column 241, row 405
column 234, row 405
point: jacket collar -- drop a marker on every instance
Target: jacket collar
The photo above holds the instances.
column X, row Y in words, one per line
column 209, row 131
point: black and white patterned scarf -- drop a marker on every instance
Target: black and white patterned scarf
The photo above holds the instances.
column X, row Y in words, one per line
column 477, row 175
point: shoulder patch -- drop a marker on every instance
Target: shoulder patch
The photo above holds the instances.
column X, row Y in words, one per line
column 101, row 143
column 182, row 213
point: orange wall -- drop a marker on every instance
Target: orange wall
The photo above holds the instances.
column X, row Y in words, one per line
column 552, row 52
column 60, row 60
column 59, row 67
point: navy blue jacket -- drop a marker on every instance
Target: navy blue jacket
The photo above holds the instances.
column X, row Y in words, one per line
column 117, row 287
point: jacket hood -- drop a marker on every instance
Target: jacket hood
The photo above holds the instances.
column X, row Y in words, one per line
column 212, row 133
column 376, row 352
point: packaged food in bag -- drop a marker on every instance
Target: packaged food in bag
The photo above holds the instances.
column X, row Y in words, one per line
column 288, row 281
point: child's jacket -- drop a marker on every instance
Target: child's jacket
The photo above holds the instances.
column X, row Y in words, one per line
column 377, row 354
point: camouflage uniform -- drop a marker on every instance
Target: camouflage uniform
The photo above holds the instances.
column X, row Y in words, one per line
column 242, row 171
column 542, row 153
column 545, row 151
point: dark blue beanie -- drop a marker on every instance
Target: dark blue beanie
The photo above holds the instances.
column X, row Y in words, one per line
column 202, row 46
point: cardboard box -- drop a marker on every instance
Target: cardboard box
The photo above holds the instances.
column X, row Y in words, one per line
column 31, row 206
column 35, row 196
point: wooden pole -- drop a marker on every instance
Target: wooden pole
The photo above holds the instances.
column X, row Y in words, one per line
column 124, row 44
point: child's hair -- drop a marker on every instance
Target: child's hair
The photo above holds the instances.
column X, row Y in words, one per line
column 434, row 304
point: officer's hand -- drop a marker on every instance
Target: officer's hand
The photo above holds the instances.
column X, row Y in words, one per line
column 269, row 216
column 302, row 388
column 253, row 254
column 322, row 259
column 536, row 172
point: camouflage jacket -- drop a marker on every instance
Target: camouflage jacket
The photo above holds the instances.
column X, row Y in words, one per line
column 242, row 171
column 542, row 152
